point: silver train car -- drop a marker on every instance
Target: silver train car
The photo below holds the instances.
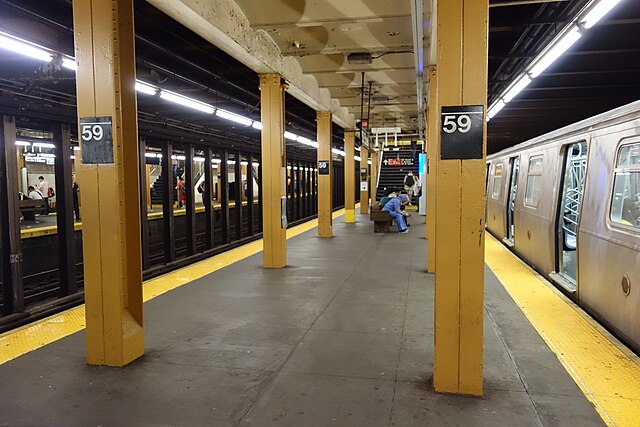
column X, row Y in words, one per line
column 568, row 203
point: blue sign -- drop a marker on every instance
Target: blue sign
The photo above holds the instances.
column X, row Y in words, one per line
column 422, row 162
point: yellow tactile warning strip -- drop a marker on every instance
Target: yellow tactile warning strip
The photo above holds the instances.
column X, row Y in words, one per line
column 606, row 372
column 38, row 334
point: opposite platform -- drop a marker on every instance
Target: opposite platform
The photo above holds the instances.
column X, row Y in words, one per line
column 343, row 336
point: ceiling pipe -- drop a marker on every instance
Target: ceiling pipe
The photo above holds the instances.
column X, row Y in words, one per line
column 418, row 52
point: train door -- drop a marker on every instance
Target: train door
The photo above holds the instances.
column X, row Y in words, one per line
column 574, row 173
column 514, row 167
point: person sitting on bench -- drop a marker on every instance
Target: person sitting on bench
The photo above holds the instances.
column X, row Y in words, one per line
column 35, row 194
column 393, row 207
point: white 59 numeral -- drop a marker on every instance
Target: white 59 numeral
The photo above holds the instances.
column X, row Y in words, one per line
column 462, row 124
column 90, row 132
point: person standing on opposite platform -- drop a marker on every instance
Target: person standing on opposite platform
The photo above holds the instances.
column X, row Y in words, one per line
column 44, row 188
column 409, row 182
column 393, row 207
column 76, row 197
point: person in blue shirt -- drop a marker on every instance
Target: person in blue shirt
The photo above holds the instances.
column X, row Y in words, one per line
column 393, row 207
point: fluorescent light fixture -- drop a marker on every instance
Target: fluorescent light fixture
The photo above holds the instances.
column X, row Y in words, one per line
column 23, row 143
column 72, row 157
column 256, row 164
column 289, row 167
column 244, row 163
column 357, row 158
column 198, row 159
column 69, row 63
column 187, row 102
column 369, row 161
column 76, row 148
column 43, row 145
column 231, row 162
column 256, row 125
column 516, row 88
column 303, row 140
column 559, row 47
column 47, row 155
column 146, row 88
column 495, row 109
column 216, row 161
column 295, row 168
column 291, row 136
column 338, row 152
column 159, row 155
column 598, row 12
column 357, row 148
column 150, row 155
column 24, row 48
column 233, row 117
column 181, row 157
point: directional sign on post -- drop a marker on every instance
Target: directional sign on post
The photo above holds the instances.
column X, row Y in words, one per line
column 461, row 132
column 97, row 141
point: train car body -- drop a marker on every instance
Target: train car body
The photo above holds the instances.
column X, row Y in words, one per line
column 568, row 203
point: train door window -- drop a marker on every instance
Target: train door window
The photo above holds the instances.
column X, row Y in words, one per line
column 534, row 182
column 575, row 167
column 511, row 203
column 497, row 181
column 625, row 204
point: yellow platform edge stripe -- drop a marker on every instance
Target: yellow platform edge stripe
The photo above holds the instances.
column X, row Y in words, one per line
column 605, row 370
column 25, row 339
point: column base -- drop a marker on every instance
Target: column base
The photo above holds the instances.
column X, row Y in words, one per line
column 349, row 215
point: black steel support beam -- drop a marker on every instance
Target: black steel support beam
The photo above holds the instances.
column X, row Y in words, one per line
column 169, row 183
column 64, row 211
column 250, row 204
column 224, row 197
column 189, row 184
column 207, row 198
column 238, row 190
column 144, row 188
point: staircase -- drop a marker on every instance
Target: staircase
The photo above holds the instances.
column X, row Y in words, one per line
column 395, row 165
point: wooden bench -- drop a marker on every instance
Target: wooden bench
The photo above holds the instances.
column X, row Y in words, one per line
column 381, row 219
column 29, row 208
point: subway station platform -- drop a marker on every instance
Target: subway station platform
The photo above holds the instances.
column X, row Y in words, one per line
column 343, row 336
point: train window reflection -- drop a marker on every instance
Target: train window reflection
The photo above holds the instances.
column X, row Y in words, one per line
column 497, row 181
column 625, row 205
column 534, row 182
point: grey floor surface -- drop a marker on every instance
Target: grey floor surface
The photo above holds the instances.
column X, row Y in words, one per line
column 342, row 337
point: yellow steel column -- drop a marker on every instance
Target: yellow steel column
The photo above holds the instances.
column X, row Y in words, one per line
column 349, row 177
column 325, row 180
column 104, row 39
column 364, row 186
column 374, row 176
column 433, row 154
column 460, row 197
column 274, row 171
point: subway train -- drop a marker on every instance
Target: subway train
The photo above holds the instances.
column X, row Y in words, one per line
column 568, row 204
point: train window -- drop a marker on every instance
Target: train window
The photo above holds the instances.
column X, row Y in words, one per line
column 497, row 181
column 534, row 182
column 625, row 204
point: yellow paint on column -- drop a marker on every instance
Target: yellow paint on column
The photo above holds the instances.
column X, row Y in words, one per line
column 433, row 154
column 364, row 190
column 104, row 43
column 349, row 177
column 273, row 170
column 459, row 259
column 325, row 182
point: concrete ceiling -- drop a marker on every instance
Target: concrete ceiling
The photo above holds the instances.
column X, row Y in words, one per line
column 320, row 34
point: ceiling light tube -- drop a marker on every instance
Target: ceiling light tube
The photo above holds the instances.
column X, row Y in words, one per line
column 77, row 148
column 256, row 125
column 23, row 143
column 187, row 102
column 47, row 155
column 150, row 155
column 256, row 164
column 216, row 161
column 69, row 63
column 231, row 162
column 233, row 117
column 357, row 158
column 145, row 88
column 24, row 48
column 338, row 152
column 598, row 12
column 244, row 163
column 43, row 145
column 368, row 161
column 290, row 135
column 495, row 108
column 72, row 157
column 559, row 47
column 198, row 159
column 303, row 140
column 522, row 83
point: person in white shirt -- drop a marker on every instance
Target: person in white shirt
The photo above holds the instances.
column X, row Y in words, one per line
column 43, row 186
column 35, row 194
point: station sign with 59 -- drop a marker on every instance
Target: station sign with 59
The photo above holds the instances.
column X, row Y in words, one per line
column 323, row 167
column 461, row 132
column 97, row 140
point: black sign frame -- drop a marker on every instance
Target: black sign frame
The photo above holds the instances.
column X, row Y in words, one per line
column 323, row 167
column 96, row 135
column 462, row 132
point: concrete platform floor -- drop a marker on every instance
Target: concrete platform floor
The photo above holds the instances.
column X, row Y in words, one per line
column 342, row 337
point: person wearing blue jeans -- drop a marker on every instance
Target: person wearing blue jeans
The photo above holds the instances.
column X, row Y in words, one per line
column 393, row 207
